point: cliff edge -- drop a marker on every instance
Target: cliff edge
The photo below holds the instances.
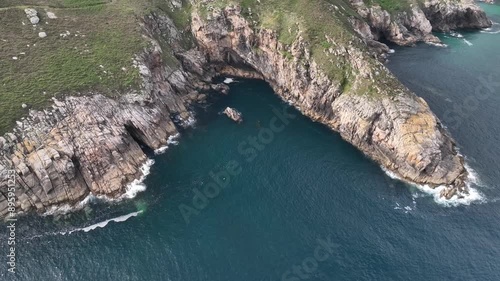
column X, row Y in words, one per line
column 321, row 56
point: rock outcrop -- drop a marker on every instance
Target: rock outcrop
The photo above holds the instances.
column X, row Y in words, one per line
column 376, row 114
column 233, row 114
column 416, row 23
column 450, row 15
column 32, row 15
column 95, row 144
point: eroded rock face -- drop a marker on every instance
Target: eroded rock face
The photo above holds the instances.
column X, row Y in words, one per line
column 416, row 24
column 449, row 15
column 92, row 144
column 395, row 128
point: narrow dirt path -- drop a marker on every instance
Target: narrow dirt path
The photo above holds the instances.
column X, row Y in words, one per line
column 55, row 7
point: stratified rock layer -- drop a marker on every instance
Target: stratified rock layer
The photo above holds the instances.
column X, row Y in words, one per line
column 94, row 144
column 379, row 116
column 417, row 22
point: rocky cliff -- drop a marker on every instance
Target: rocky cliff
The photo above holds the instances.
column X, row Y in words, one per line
column 94, row 144
column 416, row 20
column 375, row 113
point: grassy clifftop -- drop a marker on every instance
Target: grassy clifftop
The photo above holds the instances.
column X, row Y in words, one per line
column 89, row 48
column 90, row 44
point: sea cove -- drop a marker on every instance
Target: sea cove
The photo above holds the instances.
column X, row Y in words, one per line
column 281, row 197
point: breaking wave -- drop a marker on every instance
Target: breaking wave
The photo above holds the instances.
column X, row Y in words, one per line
column 172, row 140
column 456, row 34
column 88, row 228
column 442, row 45
column 102, row 224
column 473, row 196
column 138, row 185
column 229, row 80
column 131, row 190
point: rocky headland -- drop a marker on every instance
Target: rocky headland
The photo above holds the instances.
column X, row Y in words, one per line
column 94, row 144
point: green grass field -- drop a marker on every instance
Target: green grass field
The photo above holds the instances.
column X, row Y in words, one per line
column 89, row 47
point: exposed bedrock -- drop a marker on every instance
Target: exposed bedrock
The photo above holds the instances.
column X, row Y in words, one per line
column 416, row 23
column 94, row 144
column 379, row 116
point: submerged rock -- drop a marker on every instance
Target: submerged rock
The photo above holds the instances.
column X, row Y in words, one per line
column 233, row 114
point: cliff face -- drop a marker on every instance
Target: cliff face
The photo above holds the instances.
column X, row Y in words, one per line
column 93, row 144
column 416, row 22
column 385, row 121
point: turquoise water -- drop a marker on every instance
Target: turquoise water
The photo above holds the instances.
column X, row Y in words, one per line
column 302, row 204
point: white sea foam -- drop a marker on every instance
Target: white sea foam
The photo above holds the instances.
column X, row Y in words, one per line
column 172, row 140
column 392, row 51
column 405, row 209
column 442, row 45
column 229, row 80
column 465, row 199
column 468, row 42
column 189, row 122
column 161, row 150
column 456, row 34
column 131, row 190
column 61, row 209
column 102, row 224
column 138, row 185
column 490, row 32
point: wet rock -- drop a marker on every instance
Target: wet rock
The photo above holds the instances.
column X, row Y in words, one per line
column 221, row 88
column 416, row 25
column 393, row 126
column 92, row 144
column 233, row 114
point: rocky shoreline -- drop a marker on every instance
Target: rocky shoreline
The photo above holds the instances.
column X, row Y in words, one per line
column 94, row 144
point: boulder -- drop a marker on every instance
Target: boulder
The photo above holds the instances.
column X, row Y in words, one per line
column 233, row 114
column 32, row 15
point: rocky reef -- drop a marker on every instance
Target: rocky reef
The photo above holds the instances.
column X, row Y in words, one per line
column 95, row 144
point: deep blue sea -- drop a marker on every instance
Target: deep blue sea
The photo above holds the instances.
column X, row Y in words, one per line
column 298, row 202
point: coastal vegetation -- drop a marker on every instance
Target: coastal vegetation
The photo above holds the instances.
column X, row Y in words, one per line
column 90, row 47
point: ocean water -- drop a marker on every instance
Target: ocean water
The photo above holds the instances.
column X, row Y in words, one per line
column 298, row 202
